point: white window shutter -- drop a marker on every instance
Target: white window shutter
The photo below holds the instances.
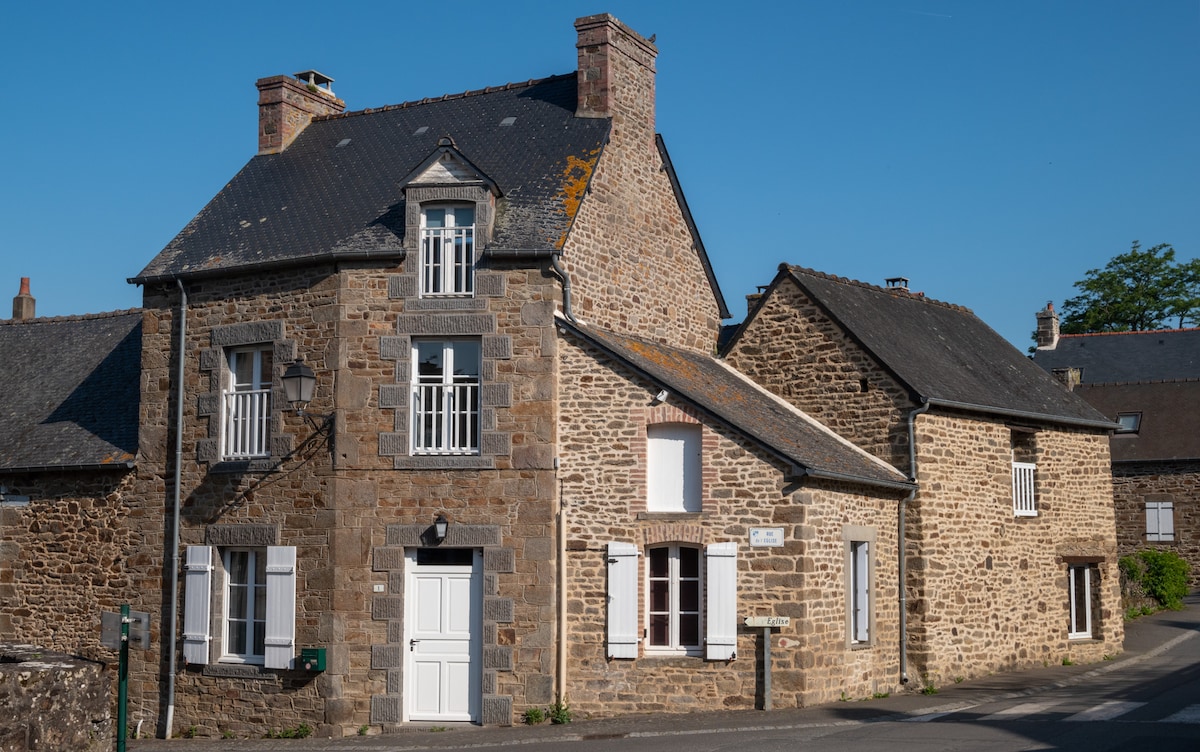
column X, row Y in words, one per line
column 1166, row 521
column 1151, row 520
column 622, row 600
column 862, row 594
column 281, row 607
column 197, row 604
column 721, row 617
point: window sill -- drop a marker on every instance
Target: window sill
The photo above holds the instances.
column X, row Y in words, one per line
column 681, row 660
column 238, row 671
column 670, row 516
column 234, row 467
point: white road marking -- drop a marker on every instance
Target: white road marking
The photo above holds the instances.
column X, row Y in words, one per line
column 1106, row 711
column 1190, row 714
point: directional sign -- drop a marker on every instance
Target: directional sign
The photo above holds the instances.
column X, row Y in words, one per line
column 768, row 621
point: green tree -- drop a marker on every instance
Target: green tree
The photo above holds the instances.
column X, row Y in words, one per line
column 1136, row 291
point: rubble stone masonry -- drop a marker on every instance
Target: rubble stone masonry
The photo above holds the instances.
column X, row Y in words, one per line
column 1135, row 483
column 604, row 416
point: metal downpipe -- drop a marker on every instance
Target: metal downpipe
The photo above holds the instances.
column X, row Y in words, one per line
column 901, row 532
column 183, row 306
column 561, row 273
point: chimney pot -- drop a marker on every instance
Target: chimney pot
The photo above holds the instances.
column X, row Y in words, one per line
column 24, row 303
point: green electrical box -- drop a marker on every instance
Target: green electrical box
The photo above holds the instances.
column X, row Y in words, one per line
column 312, row 659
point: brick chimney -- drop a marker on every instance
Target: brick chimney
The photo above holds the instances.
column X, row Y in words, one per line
column 616, row 73
column 23, row 303
column 1047, row 328
column 287, row 105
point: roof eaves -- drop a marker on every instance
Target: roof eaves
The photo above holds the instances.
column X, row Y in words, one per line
column 1024, row 414
column 290, row 263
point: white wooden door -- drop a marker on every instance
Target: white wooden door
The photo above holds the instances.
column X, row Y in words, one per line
column 443, row 621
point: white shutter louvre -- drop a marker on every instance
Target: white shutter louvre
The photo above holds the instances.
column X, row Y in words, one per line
column 197, row 604
column 622, row 600
column 1152, row 521
column 1166, row 521
column 721, row 617
column 280, row 649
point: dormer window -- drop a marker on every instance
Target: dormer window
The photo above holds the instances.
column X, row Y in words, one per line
column 447, row 251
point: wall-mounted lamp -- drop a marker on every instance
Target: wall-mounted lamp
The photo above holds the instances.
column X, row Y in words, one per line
column 299, row 381
column 661, row 397
column 440, row 527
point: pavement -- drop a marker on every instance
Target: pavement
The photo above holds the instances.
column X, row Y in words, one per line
column 1145, row 638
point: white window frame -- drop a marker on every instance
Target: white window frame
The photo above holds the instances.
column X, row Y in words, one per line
column 253, row 614
column 675, row 582
column 279, row 629
column 446, row 407
column 1160, row 521
column 1129, row 422
column 1079, row 578
column 246, row 405
column 673, row 468
column 447, row 266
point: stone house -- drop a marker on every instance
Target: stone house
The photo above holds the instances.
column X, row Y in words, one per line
column 521, row 474
column 1010, row 550
column 1149, row 384
column 69, row 406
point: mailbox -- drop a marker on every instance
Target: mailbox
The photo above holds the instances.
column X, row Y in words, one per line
column 312, row 659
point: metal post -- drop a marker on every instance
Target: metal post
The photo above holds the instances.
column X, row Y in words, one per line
column 123, row 681
column 766, row 668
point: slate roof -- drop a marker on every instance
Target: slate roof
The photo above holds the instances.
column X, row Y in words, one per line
column 317, row 200
column 1126, row 357
column 69, row 391
column 1170, row 412
column 714, row 388
column 942, row 353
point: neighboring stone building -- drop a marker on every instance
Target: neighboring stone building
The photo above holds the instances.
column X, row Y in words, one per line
column 1010, row 549
column 69, row 408
column 1149, row 383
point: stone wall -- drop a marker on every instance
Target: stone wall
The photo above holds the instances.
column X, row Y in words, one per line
column 605, row 412
column 64, row 558
column 346, row 502
column 794, row 350
column 53, row 701
column 633, row 262
column 1135, row 483
column 988, row 590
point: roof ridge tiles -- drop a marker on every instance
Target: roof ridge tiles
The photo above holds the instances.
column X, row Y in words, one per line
column 921, row 297
column 70, row 318
column 445, row 97
column 1143, row 382
column 1177, row 330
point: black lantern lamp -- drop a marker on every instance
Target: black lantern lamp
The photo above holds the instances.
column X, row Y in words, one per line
column 440, row 526
column 299, row 381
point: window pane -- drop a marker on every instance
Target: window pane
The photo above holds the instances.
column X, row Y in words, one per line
column 429, row 360
column 689, row 562
column 689, row 629
column 660, row 596
column 464, row 216
column 260, row 638
column 689, row 595
column 239, row 567
column 659, row 562
column 435, row 217
column 467, row 357
column 660, row 629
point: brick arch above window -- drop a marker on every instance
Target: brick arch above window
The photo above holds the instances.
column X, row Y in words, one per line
column 673, row 532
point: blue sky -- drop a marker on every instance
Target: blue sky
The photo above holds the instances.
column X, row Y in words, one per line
column 991, row 152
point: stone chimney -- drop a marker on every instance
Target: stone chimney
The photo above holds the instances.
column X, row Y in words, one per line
column 23, row 303
column 1047, row 328
column 616, row 73
column 287, row 105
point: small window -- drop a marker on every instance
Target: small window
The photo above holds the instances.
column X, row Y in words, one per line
column 1024, row 474
column 247, row 404
column 859, row 597
column 445, row 402
column 448, row 251
column 673, row 468
column 1129, row 422
column 245, row 606
column 1081, row 584
column 1160, row 521
column 673, row 604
